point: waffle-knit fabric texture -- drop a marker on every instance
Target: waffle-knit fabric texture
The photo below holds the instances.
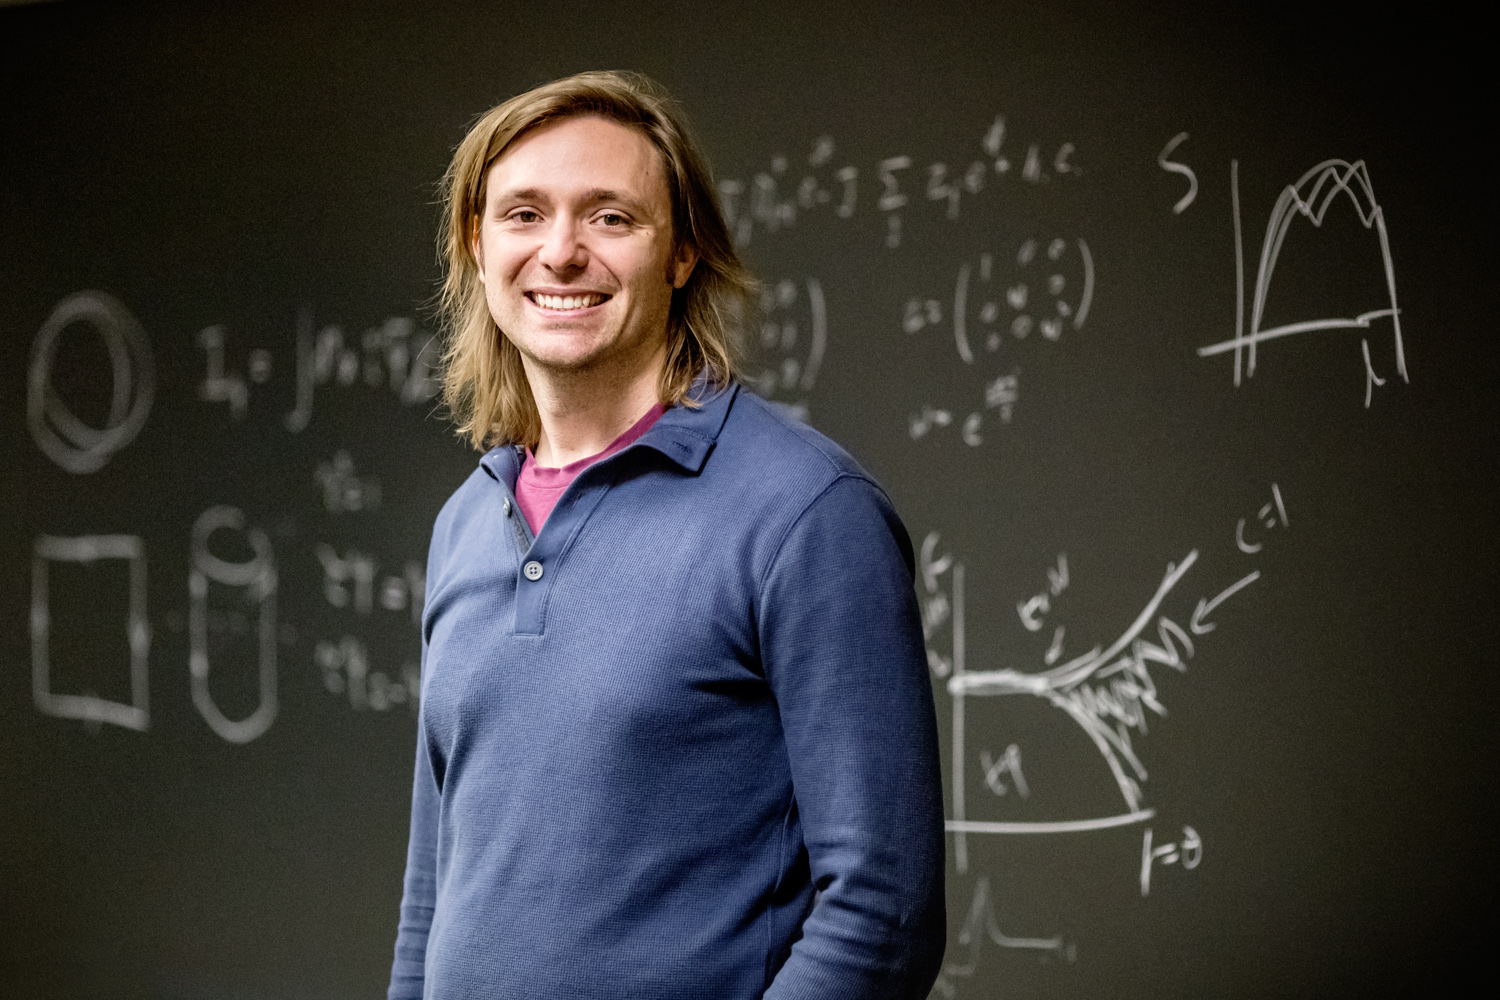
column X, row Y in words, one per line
column 636, row 771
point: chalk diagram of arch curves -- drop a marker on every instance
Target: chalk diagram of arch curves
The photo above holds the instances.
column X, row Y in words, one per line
column 1310, row 198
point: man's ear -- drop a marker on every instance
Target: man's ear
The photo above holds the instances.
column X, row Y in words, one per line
column 683, row 263
column 476, row 248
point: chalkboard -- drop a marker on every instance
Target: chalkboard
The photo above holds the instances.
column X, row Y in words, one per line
column 1169, row 331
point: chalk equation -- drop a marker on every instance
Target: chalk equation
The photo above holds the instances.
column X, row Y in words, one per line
column 824, row 185
column 1042, row 287
column 344, row 491
column 1039, row 290
column 787, row 343
column 396, row 356
column 346, row 670
column 1188, row 852
column 353, row 582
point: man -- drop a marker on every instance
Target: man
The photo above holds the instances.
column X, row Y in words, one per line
column 676, row 738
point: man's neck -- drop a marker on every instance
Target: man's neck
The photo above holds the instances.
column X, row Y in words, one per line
column 582, row 412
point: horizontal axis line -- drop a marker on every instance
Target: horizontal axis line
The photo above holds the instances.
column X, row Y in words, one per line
column 1063, row 826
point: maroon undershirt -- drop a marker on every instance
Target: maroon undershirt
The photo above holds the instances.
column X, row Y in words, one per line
column 538, row 487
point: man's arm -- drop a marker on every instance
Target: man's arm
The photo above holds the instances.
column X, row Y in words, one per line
column 842, row 645
column 419, row 891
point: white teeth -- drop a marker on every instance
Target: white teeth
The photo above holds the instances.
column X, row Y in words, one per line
column 566, row 301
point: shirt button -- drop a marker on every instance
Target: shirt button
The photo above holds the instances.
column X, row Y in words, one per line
column 533, row 570
column 507, row 506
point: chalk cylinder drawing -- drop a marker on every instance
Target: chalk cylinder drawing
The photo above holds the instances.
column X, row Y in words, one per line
column 258, row 577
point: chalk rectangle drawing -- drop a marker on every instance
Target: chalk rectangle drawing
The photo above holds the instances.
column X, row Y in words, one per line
column 50, row 549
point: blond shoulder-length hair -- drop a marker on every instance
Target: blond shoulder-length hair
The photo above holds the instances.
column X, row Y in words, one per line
column 484, row 384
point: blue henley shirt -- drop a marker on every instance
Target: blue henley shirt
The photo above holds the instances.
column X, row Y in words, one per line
column 681, row 744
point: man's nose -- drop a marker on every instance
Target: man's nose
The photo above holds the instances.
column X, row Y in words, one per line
column 563, row 247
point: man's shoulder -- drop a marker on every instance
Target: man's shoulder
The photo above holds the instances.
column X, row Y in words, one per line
column 794, row 475
column 764, row 432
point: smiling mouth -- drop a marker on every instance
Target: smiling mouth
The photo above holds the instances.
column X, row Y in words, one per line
column 563, row 303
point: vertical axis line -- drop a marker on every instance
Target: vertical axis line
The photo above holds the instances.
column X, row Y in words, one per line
column 41, row 623
column 1239, row 268
column 140, row 636
column 960, row 839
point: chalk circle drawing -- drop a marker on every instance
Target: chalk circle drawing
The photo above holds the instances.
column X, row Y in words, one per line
column 90, row 708
column 257, row 576
column 1310, row 198
column 74, row 445
column 789, row 344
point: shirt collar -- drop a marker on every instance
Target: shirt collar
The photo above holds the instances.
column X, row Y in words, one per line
column 684, row 434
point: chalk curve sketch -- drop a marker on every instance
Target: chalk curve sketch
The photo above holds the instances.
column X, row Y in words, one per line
column 1066, row 687
column 74, row 445
column 1108, row 692
column 1310, row 197
column 257, row 576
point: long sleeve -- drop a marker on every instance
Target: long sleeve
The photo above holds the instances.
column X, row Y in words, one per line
column 419, row 892
column 842, row 646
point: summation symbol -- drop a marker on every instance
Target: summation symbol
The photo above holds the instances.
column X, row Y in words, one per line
column 63, row 437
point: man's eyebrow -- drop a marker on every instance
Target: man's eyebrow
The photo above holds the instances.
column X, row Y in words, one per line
column 596, row 195
column 593, row 196
column 521, row 194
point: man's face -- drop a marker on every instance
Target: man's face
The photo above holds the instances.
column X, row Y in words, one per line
column 575, row 246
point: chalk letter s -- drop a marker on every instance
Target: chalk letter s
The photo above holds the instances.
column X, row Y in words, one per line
column 1178, row 168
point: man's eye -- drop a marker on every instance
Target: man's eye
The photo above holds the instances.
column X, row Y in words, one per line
column 612, row 219
column 525, row 215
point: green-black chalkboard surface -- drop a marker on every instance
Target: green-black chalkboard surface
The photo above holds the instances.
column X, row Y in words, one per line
column 1170, row 332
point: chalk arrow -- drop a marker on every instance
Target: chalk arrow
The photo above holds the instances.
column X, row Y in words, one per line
column 1205, row 606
